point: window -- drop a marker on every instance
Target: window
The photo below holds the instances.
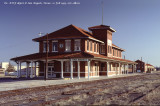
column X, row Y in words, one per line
column 102, row 49
column 94, row 46
column 97, row 47
column 67, row 45
column 67, row 66
column 90, row 45
column 45, row 46
column 108, row 49
column 117, row 53
column 87, row 45
column 77, row 45
column 55, row 46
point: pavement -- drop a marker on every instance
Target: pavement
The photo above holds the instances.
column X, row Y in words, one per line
column 12, row 84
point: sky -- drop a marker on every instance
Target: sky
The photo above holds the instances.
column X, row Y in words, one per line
column 137, row 24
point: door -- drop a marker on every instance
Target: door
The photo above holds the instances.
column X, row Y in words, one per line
column 51, row 70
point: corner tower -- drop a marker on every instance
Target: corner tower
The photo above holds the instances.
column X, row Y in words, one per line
column 104, row 33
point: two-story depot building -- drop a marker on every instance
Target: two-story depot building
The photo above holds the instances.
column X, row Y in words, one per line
column 74, row 52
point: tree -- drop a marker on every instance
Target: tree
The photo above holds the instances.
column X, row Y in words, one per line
column 10, row 68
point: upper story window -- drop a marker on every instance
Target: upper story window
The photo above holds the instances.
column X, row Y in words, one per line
column 90, row 45
column 109, row 49
column 45, row 46
column 55, row 46
column 102, row 48
column 77, row 45
column 113, row 52
column 117, row 53
column 67, row 45
column 94, row 46
column 97, row 48
column 87, row 45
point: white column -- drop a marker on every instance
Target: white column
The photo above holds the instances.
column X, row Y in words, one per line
column 20, row 73
column 31, row 69
column 18, row 70
column 71, row 65
column 62, row 69
column 78, row 69
column 119, row 72
column 107, row 68
column 89, row 69
column 35, row 67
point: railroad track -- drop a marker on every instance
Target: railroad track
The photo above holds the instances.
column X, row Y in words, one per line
column 63, row 95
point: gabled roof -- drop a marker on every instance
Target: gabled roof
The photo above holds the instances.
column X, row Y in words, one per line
column 113, row 45
column 102, row 27
column 70, row 31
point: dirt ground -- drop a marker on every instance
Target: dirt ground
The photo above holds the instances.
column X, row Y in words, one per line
column 133, row 90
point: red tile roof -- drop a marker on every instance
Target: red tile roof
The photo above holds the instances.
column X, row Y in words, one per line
column 113, row 45
column 70, row 31
column 149, row 65
column 102, row 27
column 42, row 56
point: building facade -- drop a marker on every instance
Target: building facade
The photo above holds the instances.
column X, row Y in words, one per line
column 74, row 52
column 143, row 67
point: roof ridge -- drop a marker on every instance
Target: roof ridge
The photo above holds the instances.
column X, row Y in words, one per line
column 80, row 30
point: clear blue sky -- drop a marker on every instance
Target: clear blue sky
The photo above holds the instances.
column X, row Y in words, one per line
column 137, row 23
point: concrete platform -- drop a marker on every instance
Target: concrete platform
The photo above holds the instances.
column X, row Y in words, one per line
column 13, row 84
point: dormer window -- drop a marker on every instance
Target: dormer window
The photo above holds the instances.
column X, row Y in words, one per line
column 55, row 46
column 45, row 46
column 67, row 45
column 77, row 45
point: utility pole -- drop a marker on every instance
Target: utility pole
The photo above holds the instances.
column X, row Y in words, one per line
column 46, row 71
